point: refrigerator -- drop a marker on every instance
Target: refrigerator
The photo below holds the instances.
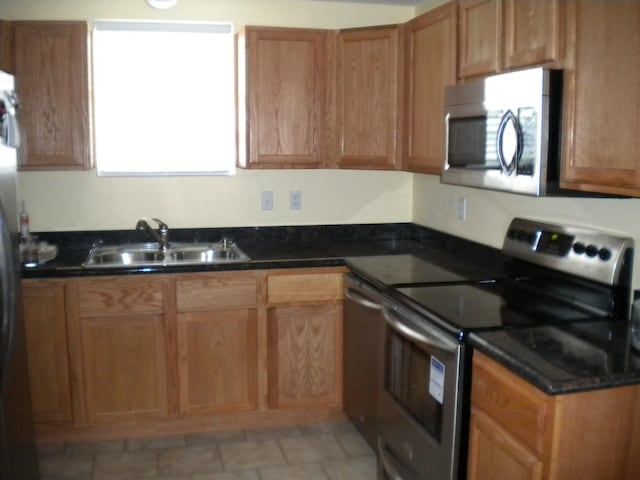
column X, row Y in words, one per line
column 18, row 458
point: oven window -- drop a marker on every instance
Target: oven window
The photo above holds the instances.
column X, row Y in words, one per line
column 472, row 142
column 407, row 379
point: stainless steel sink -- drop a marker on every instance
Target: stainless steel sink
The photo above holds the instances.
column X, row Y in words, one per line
column 149, row 254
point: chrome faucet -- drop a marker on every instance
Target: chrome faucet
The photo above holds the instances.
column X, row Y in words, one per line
column 161, row 236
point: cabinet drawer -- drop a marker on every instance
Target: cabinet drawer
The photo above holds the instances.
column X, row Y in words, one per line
column 304, row 287
column 211, row 292
column 523, row 411
column 107, row 297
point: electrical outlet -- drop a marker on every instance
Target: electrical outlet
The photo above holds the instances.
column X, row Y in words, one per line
column 266, row 199
column 295, row 200
column 463, row 204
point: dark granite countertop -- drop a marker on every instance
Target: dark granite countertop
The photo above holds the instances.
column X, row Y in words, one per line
column 384, row 254
column 567, row 359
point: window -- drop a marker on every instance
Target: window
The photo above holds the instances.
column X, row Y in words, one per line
column 164, row 98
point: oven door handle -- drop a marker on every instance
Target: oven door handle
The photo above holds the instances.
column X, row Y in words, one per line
column 423, row 338
column 361, row 299
column 387, row 464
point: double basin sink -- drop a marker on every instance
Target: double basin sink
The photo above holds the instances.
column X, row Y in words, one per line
column 150, row 254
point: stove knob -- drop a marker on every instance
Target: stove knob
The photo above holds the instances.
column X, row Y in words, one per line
column 604, row 254
column 592, row 250
column 579, row 248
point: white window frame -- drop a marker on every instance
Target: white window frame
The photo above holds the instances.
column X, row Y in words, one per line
column 170, row 112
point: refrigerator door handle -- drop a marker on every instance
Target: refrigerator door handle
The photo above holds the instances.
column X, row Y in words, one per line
column 7, row 297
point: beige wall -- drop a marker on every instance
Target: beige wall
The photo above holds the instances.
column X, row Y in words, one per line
column 82, row 201
column 489, row 213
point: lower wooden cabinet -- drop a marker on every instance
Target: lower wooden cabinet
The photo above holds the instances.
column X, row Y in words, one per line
column 46, row 335
column 518, row 432
column 305, row 355
column 217, row 343
column 120, row 336
column 304, row 338
column 153, row 352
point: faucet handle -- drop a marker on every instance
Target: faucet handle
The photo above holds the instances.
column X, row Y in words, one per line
column 161, row 225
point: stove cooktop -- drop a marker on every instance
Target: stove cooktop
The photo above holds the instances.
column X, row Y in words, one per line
column 463, row 308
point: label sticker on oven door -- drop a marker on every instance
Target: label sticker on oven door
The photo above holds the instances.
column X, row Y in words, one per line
column 436, row 379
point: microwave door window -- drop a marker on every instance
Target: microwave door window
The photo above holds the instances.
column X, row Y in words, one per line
column 472, row 141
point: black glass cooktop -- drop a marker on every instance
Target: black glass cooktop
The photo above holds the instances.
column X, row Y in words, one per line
column 463, row 308
column 408, row 269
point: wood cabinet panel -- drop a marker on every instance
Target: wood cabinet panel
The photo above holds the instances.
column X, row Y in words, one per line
column 46, row 336
column 52, row 79
column 219, row 291
column 430, row 51
column 532, row 32
column 527, row 414
column 120, row 296
column 305, row 355
column 480, row 37
column 581, row 435
column 369, row 98
column 602, row 93
column 124, row 372
column 494, row 453
column 217, row 361
column 304, row 287
column 282, row 88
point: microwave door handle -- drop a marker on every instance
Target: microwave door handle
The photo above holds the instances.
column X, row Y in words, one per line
column 509, row 118
column 428, row 341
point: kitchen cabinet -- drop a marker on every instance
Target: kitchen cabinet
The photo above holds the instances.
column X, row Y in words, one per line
column 6, row 51
column 602, row 99
column 304, row 338
column 518, row 432
column 430, row 53
column 500, row 35
column 282, row 94
column 217, row 342
column 46, row 336
column 52, row 80
column 369, row 95
column 120, row 334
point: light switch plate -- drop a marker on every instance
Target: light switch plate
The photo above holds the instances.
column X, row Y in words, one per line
column 266, row 199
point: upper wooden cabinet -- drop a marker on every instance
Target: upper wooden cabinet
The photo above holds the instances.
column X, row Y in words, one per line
column 498, row 35
column 52, row 80
column 282, row 88
column 602, row 99
column 430, row 54
column 369, row 98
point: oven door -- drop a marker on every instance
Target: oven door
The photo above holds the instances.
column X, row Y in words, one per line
column 420, row 409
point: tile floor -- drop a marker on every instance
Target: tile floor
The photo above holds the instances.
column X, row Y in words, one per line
column 325, row 451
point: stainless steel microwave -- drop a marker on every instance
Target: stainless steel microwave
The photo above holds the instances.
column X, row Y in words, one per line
column 503, row 132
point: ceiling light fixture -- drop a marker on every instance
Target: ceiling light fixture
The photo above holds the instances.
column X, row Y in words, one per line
column 161, row 4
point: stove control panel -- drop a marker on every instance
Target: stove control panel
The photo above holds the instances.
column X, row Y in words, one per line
column 588, row 253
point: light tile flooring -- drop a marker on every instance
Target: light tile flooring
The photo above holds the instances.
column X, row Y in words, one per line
column 325, row 451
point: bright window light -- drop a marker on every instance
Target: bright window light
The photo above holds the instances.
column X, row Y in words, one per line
column 164, row 98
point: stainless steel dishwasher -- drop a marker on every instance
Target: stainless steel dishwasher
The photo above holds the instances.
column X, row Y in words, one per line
column 363, row 356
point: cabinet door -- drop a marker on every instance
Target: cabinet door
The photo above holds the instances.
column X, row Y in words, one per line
column 494, row 453
column 124, row 368
column 283, row 96
column 52, row 79
column 531, row 32
column 602, row 94
column 217, row 361
column 120, row 341
column 46, row 334
column 480, row 37
column 305, row 355
column 430, row 66
column 368, row 98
